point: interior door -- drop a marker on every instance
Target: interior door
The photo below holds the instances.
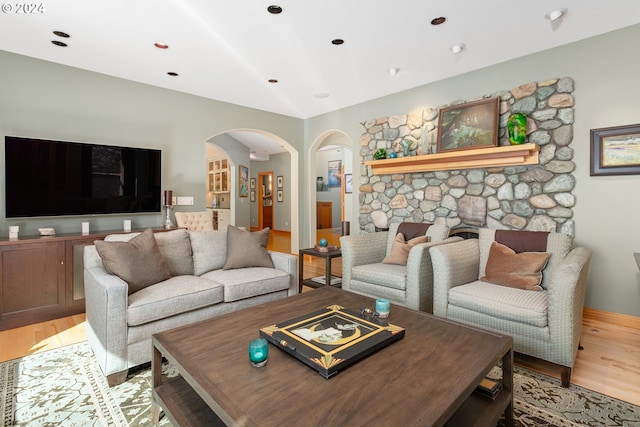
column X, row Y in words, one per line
column 265, row 200
column 324, row 212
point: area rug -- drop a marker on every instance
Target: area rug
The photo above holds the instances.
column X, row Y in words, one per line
column 65, row 387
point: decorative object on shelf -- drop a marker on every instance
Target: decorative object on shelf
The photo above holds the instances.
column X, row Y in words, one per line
column 334, row 175
column 167, row 202
column 380, row 154
column 85, row 228
column 258, row 352
column 126, row 225
column 243, row 181
column 323, row 242
column 319, row 183
column 407, row 145
column 327, row 248
column 517, row 128
column 615, row 150
column 47, row 231
column 393, row 155
column 467, row 126
column 13, row 232
column 280, row 181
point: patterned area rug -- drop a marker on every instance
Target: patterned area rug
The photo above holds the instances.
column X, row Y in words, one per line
column 65, row 387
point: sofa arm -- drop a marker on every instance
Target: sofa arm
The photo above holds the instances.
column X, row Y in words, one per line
column 567, row 285
column 420, row 275
column 453, row 265
column 106, row 299
column 289, row 264
column 361, row 249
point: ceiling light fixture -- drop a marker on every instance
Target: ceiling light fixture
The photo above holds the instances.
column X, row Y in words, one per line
column 337, row 42
column 556, row 14
column 59, row 43
column 274, row 9
column 61, row 34
column 393, row 71
column 438, row 21
column 273, row 80
column 172, row 74
column 457, row 48
column 161, row 45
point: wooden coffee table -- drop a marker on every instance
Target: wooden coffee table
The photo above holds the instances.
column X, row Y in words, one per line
column 427, row 378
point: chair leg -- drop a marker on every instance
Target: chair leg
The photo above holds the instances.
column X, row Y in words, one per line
column 117, row 378
column 565, row 376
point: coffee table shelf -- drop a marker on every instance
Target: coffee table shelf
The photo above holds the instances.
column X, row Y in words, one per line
column 491, row 410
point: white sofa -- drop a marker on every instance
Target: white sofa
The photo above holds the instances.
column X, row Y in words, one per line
column 120, row 324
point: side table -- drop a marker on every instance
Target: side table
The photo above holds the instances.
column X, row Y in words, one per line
column 328, row 279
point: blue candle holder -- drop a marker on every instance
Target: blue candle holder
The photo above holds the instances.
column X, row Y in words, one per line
column 258, row 352
column 383, row 307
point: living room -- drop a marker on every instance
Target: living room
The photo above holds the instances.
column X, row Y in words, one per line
column 42, row 99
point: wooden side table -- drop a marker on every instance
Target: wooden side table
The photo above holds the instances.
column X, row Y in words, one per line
column 328, row 279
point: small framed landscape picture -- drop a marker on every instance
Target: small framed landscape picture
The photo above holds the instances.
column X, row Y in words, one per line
column 615, row 150
column 280, row 196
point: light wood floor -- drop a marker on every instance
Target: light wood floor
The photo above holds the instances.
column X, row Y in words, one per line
column 609, row 363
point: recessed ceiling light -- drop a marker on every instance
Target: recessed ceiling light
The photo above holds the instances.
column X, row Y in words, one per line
column 439, row 20
column 337, row 42
column 161, row 45
column 555, row 14
column 321, row 95
column 172, row 74
column 61, row 34
column 59, row 43
column 273, row 80
column 274, row 9
column 457, row 48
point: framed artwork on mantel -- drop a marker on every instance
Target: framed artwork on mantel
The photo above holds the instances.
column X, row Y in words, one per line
column 468, row 126
column 615, row 150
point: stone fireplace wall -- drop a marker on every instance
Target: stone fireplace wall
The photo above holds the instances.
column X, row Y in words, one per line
column 537, row 197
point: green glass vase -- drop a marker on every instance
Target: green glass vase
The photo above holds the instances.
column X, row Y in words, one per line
column 517, row 128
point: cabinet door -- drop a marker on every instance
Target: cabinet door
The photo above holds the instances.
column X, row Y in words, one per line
column 33, row 282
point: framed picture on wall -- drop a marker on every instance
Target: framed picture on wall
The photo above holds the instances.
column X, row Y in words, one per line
column 253, row 183
column 335, row 179
column 348, row 183
column 615, row 150
column 280, row 181
column 243, row 181
column 280, row 196
column 469, row 125
column 252, row 195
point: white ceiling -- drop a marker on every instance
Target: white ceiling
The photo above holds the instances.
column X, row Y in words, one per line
column 228, row 50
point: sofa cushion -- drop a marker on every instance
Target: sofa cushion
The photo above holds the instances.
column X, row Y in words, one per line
column 174, row 246
column 176, row 295
column 209, row 250
column 502, row 302
column 246, row 249
column 518, row 270
column 389, row 275
column 249, row 282
column 400, row 249
column 138, row 261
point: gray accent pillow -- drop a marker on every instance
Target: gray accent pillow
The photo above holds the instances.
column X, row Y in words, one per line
column 138, row 261
column 245, row 249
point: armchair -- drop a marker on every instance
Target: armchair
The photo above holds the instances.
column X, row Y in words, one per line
column 410, row 285
column 544, row 323
column 195, row 221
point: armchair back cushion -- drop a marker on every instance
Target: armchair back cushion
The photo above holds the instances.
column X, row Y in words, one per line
column 518, row 270
column 435, row 233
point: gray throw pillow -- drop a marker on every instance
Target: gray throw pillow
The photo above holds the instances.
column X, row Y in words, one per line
column 138, row 261
column 245, row 249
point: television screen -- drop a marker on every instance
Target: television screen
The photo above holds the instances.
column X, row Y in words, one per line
column 54, row 178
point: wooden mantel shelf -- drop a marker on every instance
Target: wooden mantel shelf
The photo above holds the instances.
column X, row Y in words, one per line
column 512, row 155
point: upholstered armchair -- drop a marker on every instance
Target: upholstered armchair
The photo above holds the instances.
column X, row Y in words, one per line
column 195, row 221
column 539, row 301
column 408, row 285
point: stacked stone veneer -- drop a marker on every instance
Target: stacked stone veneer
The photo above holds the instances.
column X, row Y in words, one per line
column 537, row 197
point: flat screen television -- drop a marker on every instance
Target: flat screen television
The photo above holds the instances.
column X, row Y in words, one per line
column 57, row 178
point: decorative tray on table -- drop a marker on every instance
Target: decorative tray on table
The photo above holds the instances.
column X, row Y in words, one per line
column 330, row 339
